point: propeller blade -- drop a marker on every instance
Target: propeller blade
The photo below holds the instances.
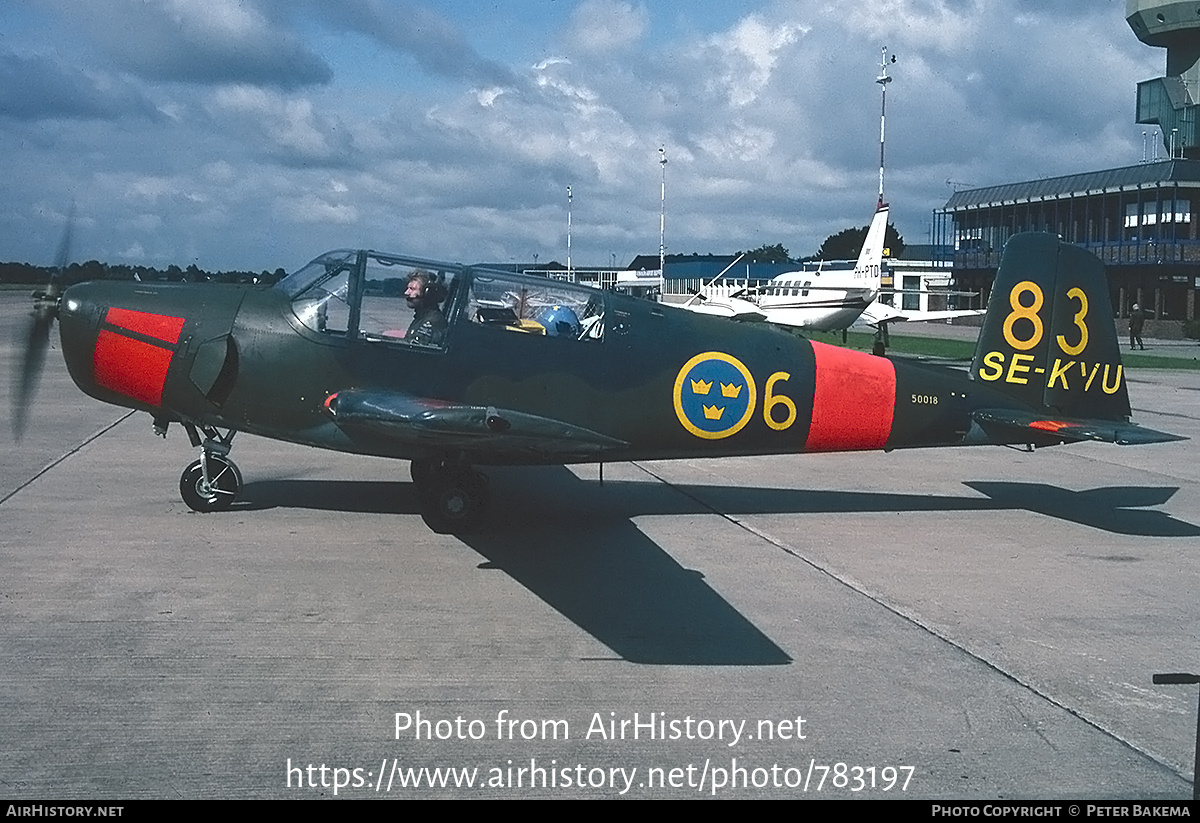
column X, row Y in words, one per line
column 45, row 309
column 31, row 369
column 63, row 258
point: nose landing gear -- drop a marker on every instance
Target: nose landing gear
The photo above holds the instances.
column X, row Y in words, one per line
column 211, row 483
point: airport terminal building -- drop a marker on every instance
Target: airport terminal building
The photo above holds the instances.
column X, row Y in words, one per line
column 1140, row 220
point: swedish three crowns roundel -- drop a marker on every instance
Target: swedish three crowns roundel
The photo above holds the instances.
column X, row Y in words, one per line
column 714, row 395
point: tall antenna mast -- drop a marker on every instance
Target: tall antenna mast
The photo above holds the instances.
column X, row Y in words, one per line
column 882, row 80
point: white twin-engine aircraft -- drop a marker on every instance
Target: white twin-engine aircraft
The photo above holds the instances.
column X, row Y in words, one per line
column 824, row 300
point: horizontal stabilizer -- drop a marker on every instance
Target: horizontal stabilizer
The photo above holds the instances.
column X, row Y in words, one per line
column 1014, row 422
column 938, row 292
column 409, row 420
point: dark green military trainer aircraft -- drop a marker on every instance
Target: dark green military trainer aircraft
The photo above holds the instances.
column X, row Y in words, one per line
column 453, row 367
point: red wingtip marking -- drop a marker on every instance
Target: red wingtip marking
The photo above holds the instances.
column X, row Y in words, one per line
column 1048, row 425
column 854, row 400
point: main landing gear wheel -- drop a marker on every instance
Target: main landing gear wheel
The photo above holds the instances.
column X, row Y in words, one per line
column 453, row 498
column 217, row 492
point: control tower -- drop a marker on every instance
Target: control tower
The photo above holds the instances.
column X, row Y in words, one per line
column 1170, row 102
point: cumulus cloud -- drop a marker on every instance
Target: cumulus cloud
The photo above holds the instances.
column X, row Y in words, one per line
column 199, row 41
column 418, row 31
column 750, row 51
column 606, row 26
column 151, row 188
column 310, row 208
column 134, row 251
column 770, row 118
column 738, row 141
column 37, row 87
column 287, row 127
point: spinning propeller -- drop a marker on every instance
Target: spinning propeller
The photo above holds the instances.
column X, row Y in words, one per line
column 45, row 310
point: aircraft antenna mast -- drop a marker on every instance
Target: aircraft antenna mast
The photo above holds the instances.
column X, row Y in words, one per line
column 568, row 231
column 882, row 80
column 662, row 214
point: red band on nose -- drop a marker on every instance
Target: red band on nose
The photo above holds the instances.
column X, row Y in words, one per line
column 131, row 367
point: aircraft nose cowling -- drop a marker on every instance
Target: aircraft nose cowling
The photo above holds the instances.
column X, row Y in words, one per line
column 130, row 349
column 123, row 342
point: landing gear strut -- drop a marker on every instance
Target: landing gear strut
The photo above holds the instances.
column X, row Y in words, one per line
column 882, row 340
column 453, row 496
column 211, row 483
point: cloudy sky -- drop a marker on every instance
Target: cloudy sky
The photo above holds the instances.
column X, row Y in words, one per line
column 253, row 134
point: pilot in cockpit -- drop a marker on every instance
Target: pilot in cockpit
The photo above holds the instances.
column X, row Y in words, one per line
column 424, row 295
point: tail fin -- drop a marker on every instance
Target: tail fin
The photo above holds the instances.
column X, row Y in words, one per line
column 1049, row 341
column 870, row 258
column 1048, row 338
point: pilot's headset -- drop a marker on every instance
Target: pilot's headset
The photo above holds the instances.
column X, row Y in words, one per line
column 435, row 285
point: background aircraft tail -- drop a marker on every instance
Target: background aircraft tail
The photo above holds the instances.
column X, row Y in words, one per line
column 1049, row 341
column 870, row 257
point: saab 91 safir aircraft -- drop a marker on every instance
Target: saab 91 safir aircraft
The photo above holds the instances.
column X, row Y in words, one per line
column 524, row 370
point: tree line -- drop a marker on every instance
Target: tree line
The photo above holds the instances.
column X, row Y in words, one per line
column 844, row 245
column 28, row 274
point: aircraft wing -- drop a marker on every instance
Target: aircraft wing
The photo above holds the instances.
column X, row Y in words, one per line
column 807, row 286
column 732, row 308
column 877, row 313
column 483, row 430
column 1011, row 421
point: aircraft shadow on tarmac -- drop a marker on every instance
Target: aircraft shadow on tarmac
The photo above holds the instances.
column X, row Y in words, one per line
column 1116, row 509
column 582, row 555
column 572, row 543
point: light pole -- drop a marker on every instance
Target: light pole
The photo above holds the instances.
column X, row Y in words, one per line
column 568, row 230
column 882, row 80
column 662, row 214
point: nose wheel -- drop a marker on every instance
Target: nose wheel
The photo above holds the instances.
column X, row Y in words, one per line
column 211, row 483
column 453, row 497
column 213, row 490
